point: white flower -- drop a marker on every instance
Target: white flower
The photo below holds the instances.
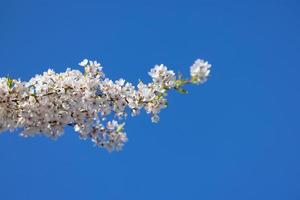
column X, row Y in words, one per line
column 200, row 71
column 77, row 128
column 120, row 82
column 162, row 76
column 84, row 62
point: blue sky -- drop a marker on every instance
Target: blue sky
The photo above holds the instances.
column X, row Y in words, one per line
column 236, row 137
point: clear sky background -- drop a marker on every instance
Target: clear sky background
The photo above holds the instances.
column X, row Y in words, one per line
column 236, row 137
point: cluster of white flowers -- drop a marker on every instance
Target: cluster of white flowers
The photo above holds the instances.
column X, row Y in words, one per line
column 200, row 71
column 91, row 103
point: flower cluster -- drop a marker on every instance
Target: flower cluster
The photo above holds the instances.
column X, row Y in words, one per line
column 200, row 71
column 91, row 103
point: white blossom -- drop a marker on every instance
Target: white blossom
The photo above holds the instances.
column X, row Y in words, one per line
column 162, row 76
column 200, row 71
column 84, row 62
column 95, row 106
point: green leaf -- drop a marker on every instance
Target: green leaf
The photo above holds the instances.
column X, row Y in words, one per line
column 120, row 128
column 182, row 91
column 10, row 82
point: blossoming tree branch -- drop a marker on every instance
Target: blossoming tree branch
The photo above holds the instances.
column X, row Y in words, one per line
column 91, row 103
